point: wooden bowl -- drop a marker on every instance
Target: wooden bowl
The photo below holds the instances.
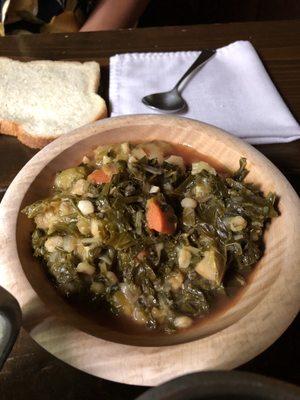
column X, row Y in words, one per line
column 256, row 319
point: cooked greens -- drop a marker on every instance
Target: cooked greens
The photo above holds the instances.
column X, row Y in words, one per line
column 157, row 239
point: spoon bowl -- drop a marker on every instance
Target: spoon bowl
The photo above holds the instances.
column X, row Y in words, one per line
column 168, row 102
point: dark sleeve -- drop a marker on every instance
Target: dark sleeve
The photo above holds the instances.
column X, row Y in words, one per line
column 50, row 8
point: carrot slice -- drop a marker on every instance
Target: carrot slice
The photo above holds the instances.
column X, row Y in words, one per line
column 102, row 175
column 158, row 219
column 99, row 176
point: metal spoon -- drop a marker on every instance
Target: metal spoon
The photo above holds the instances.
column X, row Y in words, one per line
column 172, row 101
column 10, row 323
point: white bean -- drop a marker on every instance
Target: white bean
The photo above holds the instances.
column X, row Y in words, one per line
column 95, row 228
column 86, row 207
column 187, row 202
column 182, row 322
column 154, row 189
column 184, row 258
column 85, row 268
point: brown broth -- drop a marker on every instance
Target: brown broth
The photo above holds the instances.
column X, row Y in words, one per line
column 220, row 304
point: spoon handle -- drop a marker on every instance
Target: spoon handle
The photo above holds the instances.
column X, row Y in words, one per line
column 200, row 60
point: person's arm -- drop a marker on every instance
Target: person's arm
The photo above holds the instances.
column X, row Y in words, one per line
column 114, row 14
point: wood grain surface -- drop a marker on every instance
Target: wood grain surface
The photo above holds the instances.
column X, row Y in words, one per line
column 231, row 338
column 33, row 373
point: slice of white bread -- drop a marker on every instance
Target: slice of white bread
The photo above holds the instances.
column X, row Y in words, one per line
column 41, row 100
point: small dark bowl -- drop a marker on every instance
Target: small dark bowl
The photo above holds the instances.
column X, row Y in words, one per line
column 223, row 385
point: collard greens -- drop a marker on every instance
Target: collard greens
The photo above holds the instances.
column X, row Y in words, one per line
column 157, row 240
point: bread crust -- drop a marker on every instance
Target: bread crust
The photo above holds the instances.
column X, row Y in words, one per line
column 35, row 142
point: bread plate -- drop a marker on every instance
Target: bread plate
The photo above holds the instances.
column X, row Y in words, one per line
column 266, row 308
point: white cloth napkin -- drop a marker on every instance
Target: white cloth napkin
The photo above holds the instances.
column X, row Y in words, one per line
column 232, row 91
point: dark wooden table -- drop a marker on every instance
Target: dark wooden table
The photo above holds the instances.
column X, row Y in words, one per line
column 30, row 372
